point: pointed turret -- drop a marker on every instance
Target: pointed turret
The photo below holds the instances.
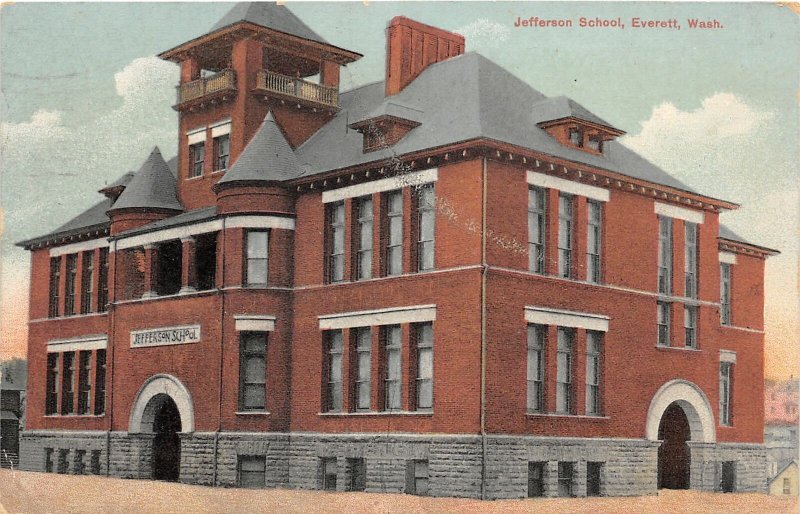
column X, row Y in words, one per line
column 268, row 15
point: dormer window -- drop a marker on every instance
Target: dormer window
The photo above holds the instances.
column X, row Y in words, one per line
column 595, row 144
column 387, row 124
column 576, row 137
column 572, row 125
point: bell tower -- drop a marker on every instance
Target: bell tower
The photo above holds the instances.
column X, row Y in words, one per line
column 258, row 58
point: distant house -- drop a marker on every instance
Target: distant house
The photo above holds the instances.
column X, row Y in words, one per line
column 781, row 424
column 785, row 482
column 13, row 378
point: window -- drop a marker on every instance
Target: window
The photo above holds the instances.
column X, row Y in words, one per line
column 536, row 229
column 79, row 466
column 95, row 462
column 690, row 325
column 197, row 153
column 205, row 261
column 594, row 473
column 595, row 143
column 335, row 242
column 566, row 474
column 394, row 229
column 363, row 207
column 593, row 241
column 690, row 260
column 72, row 273
column 169, row 262
column 222, row 150
column 787, row 488
column 63, row 461
column 564, row 370
column 664, row 255
column 84, row 367
column 725, row 293
column 664, row 319
column 424, row 351
column 55, row 282
column 356, row 475
column 576, row 137
column 363, row 338
column 48, row 460
column 393, row 367
column 251, row 471
column 51, row 396
column 334, row 371
column 328, row 470
column 536, row 338
column 67, row 384
column 725, row 376
column 100, row 383
column 256, row 267
column 102, row 292
column 565, row 235
column 417, row 477
column 593, row 372
column 536, row 479
column 426, row 200
column 252, row 370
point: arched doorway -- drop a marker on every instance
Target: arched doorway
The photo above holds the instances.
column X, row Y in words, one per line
column 673, row 454
column 167, row 442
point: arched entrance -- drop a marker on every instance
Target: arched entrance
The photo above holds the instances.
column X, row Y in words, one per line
column 167, row 442
column 673, row 454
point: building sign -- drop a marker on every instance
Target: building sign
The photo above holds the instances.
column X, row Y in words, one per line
column 165, row 336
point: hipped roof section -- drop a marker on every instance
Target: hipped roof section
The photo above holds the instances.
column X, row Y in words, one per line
column 269, row 15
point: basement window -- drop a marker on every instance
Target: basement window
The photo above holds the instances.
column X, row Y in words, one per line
column 417, row 477
column 48, row 460
column 328, row 471
column 63, row 461
column 535, row 479
column 95, row 462
column 251, row 471
column 566, row 476
column 79, row 465
column 356, row 474
column 168, row 267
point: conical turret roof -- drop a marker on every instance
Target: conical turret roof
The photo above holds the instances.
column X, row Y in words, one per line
column 266, row 158
column 152, row 187
column 269, row 15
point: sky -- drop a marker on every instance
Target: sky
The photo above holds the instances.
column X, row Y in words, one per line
column 84, row 100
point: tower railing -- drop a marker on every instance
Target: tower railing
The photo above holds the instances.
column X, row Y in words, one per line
column 224, row 80
column 269, row 81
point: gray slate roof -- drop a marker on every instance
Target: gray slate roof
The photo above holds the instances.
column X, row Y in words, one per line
column 392, row 107
column 269, row 15
column 560, row 107
column 267, row 157
column 153, row 187
column 184, row 218
column 460, row 99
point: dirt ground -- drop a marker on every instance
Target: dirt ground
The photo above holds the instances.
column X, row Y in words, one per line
column 41, row 493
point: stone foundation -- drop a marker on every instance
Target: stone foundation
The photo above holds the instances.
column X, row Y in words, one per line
column 441, row 465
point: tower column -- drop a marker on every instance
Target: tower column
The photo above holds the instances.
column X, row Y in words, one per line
column 150, row 270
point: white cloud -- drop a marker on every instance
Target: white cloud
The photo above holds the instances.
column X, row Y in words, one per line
column 484, row 33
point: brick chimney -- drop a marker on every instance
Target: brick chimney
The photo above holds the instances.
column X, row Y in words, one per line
column 412, row 46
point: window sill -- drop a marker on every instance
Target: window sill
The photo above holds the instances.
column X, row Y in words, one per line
column 679, row 348
column 379, row 413
column 217, row 172
column 204, row 292
column 252, row 413
column 73, row 416
column 71, row 316
column 198, row 177
column 568, row 416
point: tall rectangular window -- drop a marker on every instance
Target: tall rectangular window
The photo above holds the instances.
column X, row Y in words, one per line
column 593, row 241
column 725, row 400
column 55, row 283
column 197, row 154
column 426, row 210
column 566, row 477
column 72, row 274
column 334, row 349
column 335, row 242
column 329, row 470
column 664, row 255
column 424, row 363
column 565, row 235
column 87, row 284
column 257, row 251
column 594, row 473
column 102, row 291
column 84, row 391
column 362, row 392
column 725, row 293
column 594, row 351
column 363, row 208
column 566, row 337
column 100, row 383
column 690, row 325
column 51, row 395
column 536, row 341
column 536, row 479
column 690, row 260
column 252, row 371
column 68, row 384
column 222, row 151
column 356, row 474
column 536, row 229
column 394, row 232
column 664, row 318
column 393, row 367
column 251, row 471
